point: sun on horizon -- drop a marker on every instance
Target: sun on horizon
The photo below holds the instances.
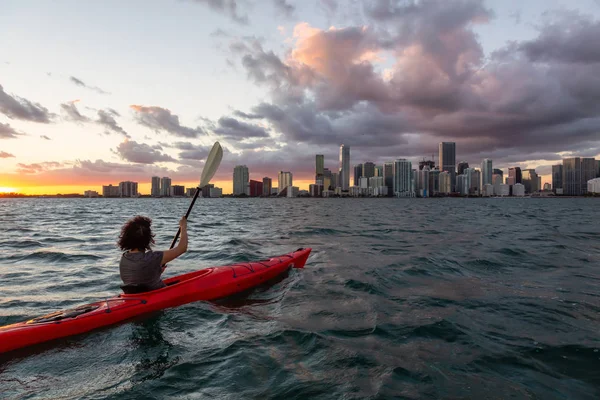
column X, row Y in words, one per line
column 5, row 189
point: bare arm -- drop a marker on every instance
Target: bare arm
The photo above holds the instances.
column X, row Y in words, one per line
column 181, row 247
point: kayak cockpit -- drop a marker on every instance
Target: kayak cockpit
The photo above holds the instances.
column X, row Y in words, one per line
column 135, row 289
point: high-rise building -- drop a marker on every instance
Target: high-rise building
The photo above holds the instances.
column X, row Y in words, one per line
column 445, row 186
column 344, row 168
column 177, row 191
column 368, row 170
column 327, row 184
column 461, row 167
column 379, row 170
column 571, row 177
column 497, row 182
column 402, row 182
column 486, row 172
column 357, row 174
column 434, row 182
column 267, row 186
column 499, row 172
column 447, row 156
column 515, row 173
column 155, row 192
column 128, row 189
column 588, row 172
column 205, row 190
column 255, row 188
column 518, row 190
column 598, row 168
column 110, row 191
column 423, row 189
column 388, row 177
column 241, row 180
column 461, row 185
column 557, row 173
column 284, row 179
column 529, row 179
column 320, row 164
column 165, row 186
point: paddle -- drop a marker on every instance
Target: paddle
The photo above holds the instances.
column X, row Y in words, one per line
column 210, row 167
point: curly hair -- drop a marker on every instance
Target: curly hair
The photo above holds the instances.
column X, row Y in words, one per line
column 136, row 234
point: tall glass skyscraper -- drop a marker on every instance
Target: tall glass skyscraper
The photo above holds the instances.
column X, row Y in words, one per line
column 447, row 155
column 344, row 168
column 486, row 172
column 155, row 192
column 403, row 178
column 388, row 177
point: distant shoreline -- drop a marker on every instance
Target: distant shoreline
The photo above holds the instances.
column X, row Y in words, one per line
column 74, row 196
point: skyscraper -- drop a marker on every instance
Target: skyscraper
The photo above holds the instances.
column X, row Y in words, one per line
column 588, row 172
column 320, row 164
column 388, row 177
column 445, row 186
column 447, row 155
column 344, row 167
column 368, row 170
column 155, row 192
column 529, row 179
column 357, row 174
column 498, row 172
column 128, row 189
column 378, row 170
column 402, row 183
column 284, row 179
column 571, row 178
column 267, row 186
column 515, row 174
column 486, row 172
column 557, row 174
column 255, row 188
column 165, row 186
column 241, row 178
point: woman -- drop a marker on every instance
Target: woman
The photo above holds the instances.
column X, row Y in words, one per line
column 140, row 267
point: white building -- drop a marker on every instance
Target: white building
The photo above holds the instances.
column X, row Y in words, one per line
column 284, row 180
column 354, row 191
column 165, row 186
column 593, row 185
column 241, row 180
column 445, row 182
column 215, row 192
column 486, row 172
column 403, row 178
column 128, row 189
column 503, row 190
column 518, row 190
column 488, row 190
column 90, row 193
column 292, row 191
column 155, row 192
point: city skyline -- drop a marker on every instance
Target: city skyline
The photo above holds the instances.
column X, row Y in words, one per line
column 81, row 106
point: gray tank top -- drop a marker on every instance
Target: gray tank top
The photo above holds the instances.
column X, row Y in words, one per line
column 142, row 268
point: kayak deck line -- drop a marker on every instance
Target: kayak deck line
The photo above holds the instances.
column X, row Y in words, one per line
column 203, row 285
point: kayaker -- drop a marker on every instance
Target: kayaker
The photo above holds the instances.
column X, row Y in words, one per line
column 140, row 266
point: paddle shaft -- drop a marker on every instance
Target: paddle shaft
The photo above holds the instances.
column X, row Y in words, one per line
column 187, row 214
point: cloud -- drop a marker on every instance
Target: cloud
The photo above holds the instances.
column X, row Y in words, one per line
column 4, row 154
column 36, row 168
column 106, row 119
column 419, row 76
column 190, row 151
column 23, row 109
column 45, row 137
column 141, row 153
column 8, row 132
column 79, row 82
column 161, row 119
column 284, row 8
column 232, row 128
column 226, row 7
column 72, row 113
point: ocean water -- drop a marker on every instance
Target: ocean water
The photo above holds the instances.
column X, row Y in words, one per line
column 400, row 299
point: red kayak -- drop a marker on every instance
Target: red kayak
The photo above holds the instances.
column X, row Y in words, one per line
column 206, row 284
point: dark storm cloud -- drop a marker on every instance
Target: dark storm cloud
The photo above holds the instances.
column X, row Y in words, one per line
column 283, row 7
column 570, row 37
column 227, row 7
column 8, row 132
column 19, row 108
column 161, row 119
column 106, row 119
column 141, row 153
column 530, row 99
column 232, row 128
column 79, row 82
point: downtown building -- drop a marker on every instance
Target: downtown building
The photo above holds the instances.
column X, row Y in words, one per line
column 285, row 184
column 403, row 182
column 128, row 189
column 165, row 186
column 447, row 160
column 344, row 177
column 576, row 172
column 155, row 191
column 241, row 180
column 486, row 172
column 267, row 186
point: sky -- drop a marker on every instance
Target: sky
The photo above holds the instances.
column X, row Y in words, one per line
column 93, row 93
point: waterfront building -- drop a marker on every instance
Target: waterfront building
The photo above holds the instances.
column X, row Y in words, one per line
column 447, row 159
column 241, row 180
column 402, row 182
column 110, row 191
column 344, row 167
column 486, row 172
column 155, row 191
column 177, row 191
column 165, row 186
column 267, row 186
column 518, row 190
column 255, row 188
